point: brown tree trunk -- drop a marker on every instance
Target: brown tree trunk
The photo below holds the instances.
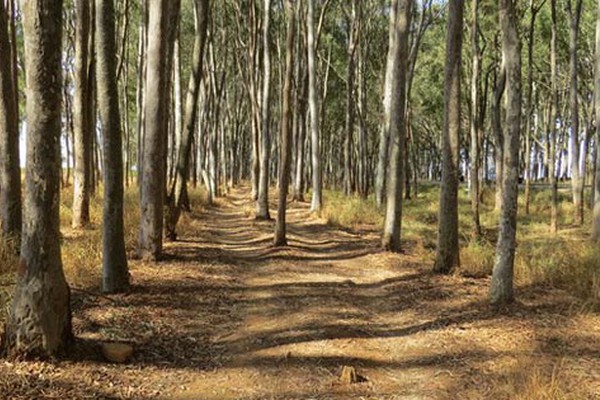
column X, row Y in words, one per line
column 262, row 204
column 596, row 208
column 501, row 290
column 178, row 191
column 384, row 134
column 553, row 113
column 39, row 323
column 475, row 121
column 317, row 176
column 574, row 11
column 81, row 117
column 447, row 256
column 115, row 274
column 397, row 127
column 10, row 170
column 350, row 107
column 286, row 131
column 157, row 111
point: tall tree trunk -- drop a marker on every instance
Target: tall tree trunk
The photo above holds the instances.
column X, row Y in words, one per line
column 115, row 274
column 286, row 131
column 500, row 83
column 157, row 111
column 178, row 191
column 350, row 110
column 81, row 115
column 447, row 256
column 553, row 114
column 139, row 94
column 530, row 107
column 10, row 170
column 384, row 133
column 317, row 175
column 574, row 11
column 39, row 323
column 397, row 128
column 596, row 208
column 501, row 290
column 262, row 204
column 475, row 120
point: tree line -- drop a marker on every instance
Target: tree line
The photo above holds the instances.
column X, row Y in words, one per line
column 307, row 94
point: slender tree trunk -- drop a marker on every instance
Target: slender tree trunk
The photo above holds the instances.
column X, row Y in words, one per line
column 156, row 110
column 81, row 115
column 498, row 135
column 317, row 176
column 447, row 256
column 384, row 135
column 576, row 179
column 115, row 274
column 475, row 121
column 10, row 169
column 140, row 99
column 262, row 205
column 397, row 129
column 286, row 148
column 501, row 290
column 533, row 11
column 178, row 191
column 350, row 110
column 39, row 323
column 596, row 208
column 553, row 114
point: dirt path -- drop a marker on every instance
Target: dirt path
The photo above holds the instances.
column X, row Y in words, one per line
column 226, row 316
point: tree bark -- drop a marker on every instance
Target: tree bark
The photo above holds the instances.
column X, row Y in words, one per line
column 317, row 175
column 501, row 290
column 286, row 130
column 81, row 117
column 576, row 178
column 178, row 191
column 397, row 127
column 447, row 256
column 39, row 323
column 552, row 118
column 596, row 208
column 156, row 112
column 10, row 170
column 262, row 204
column 350, row 109
column 115, row 274
column 475, row 121
column 384, row 133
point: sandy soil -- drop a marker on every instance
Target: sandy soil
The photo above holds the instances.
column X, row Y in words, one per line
column 227, row 316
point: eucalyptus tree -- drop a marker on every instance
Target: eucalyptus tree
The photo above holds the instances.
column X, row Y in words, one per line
column 10, row 170
column 501, row 290
column 262, row 203
column 155, row 130
column 574, row 8
column 596, row 208
column 397, row 126
column 39, row 322
column 285, row 141
column 447, row 255
column 317, row 178
column 115, row 274
column 179, row 185
column 476, row 119
column 82, row 115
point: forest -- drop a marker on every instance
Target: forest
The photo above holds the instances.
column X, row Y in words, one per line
column 300, row 199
